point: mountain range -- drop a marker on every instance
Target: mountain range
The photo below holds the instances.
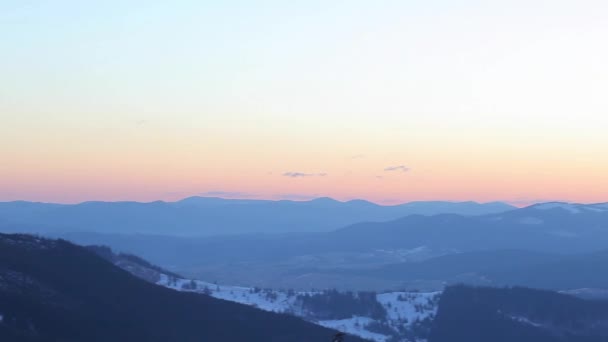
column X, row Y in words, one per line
column 204, row 216
column 502, row 248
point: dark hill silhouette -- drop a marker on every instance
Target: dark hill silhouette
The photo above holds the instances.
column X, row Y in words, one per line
column 52, row 290
column 473, row 314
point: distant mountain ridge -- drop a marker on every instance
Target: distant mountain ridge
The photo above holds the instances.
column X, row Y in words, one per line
column 543, row 239
column 575, row 208
column 503, row 268
column 550, row 227
column 205, row 216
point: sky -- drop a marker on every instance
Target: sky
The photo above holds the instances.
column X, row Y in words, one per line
column 389, row 101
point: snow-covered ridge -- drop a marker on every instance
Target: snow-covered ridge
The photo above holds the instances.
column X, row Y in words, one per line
column 574, row 208
column 404, row 310
column 588, row 293
column 525, row 320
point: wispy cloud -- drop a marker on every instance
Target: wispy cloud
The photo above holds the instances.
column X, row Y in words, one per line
column 302, row 174
column 399, row 168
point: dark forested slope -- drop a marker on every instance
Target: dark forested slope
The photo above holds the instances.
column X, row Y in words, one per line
column 52, row 290
column 474, row 314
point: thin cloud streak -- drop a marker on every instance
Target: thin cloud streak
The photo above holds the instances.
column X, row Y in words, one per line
column 401, row 168
column 303, row 175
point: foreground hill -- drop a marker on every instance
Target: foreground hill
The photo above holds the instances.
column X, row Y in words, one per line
column 52, row 290
column 213, row 216
column 465, row 313
column 380, row 317
column 469, row 314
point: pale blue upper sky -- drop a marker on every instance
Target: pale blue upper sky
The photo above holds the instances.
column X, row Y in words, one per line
column 401, row 82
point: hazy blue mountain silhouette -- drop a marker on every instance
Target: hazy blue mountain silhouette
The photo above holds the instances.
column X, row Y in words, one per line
column 543, row 230
column 216, row 216
column 513, row 247
column 548, row 227
column 503, row 268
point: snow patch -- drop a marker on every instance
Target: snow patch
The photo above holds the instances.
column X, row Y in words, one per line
column 403, row 308
column 524, row 320
column 407, row 306
column 268, row 300
column 355, row 326
column 589, row 293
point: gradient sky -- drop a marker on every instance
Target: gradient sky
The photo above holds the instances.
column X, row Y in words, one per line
column 390, row 101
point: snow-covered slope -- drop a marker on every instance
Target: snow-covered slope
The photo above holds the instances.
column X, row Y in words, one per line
column 407, row 313
column 573, row 208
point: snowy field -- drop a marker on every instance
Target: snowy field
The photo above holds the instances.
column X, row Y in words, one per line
column 403, row 308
